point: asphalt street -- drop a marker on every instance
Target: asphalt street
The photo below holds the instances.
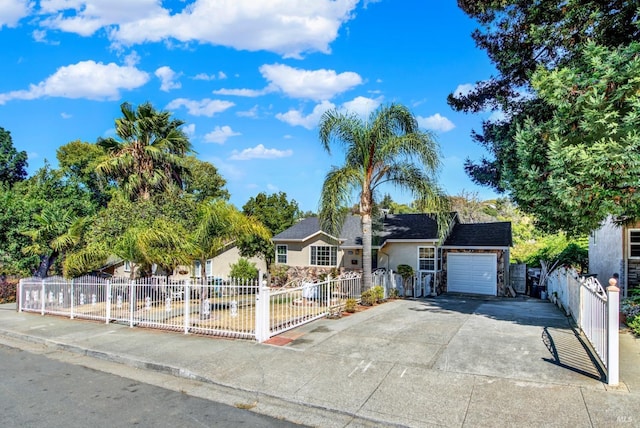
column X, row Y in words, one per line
column 38, row 391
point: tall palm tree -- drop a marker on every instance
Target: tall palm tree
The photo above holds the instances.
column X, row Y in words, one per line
column 389, row 147
column 150, row 154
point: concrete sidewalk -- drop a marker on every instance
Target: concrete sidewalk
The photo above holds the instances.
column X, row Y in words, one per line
column 449, row 361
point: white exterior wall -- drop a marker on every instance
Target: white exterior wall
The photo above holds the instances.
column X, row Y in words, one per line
column 606, row 252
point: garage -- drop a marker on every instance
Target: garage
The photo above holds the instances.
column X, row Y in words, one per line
column 472, row 273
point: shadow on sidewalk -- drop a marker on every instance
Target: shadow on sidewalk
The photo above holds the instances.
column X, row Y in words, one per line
column 570, row 352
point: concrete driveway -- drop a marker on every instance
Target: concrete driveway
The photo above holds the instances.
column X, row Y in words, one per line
column 527, row 340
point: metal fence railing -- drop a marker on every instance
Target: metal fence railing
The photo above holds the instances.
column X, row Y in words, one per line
column 212, row 306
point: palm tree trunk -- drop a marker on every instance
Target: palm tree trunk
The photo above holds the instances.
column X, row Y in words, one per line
column 45, row 263
column 366, row 252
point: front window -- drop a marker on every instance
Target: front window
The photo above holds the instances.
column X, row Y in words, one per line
column 281, row 254
column 426, row 258
column 209, row 268
column 324, row 256
column 196, row 269
column 127, row 266
column 634, row 243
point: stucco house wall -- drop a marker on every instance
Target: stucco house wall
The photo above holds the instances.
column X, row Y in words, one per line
column 607, row 252
column 401, row 253
column 299, row 253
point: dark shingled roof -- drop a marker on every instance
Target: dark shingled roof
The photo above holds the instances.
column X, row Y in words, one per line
column 408, row 226
column 351, row 231
column 480, row 235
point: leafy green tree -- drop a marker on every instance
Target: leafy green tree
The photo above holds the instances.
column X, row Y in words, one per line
column 13, row 163
column 583, row 163
column 470, row 208
column 15, row 216
column 149, row 157
column 203, row 181
column 144, row 232
column 387, row 148
column 277, row 214
column 43, row 205
column 79, row 161
column 520, row 37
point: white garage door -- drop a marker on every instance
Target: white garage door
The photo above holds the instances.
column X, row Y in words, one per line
column 472, row 273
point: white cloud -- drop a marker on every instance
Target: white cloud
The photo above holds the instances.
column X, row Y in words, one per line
column 436, row 123
column 11, row 11
column 272, row 188
column 297, row 118
column 205, row 107
column 86, row 79
column 132, row 59
column 362, row 106
column 260, row 152
column 315, row 85
column 251, row 93
column 205, row 76
column 220, row 134
column 252, row 112
column 169, row 78
column 65, row 115
column 189, row 130
column 463, row 89
column 281, row 26
column 85, row 17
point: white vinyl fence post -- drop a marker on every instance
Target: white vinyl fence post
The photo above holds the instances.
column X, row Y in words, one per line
column 72, row 296
column 43, row 297
column 613, row 339
column 131, row 303
column 107, row 300
column 20, row 295
column 262, row 311
column 187, row 305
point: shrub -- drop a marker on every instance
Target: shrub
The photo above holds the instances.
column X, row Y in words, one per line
column 244, row 270
column 393, row 293
column 350, row 306
column 368, row 297
column 630, row 307
column 8, row 290
column 279, row 275
column 634, row 325
column 405, row 271
column 378, row 292
column 373, row 295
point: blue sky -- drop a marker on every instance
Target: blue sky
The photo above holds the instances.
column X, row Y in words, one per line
column 250, row 78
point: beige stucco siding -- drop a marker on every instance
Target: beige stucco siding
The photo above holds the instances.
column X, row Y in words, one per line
column 400, row 253
column 299, row 253
column 223, row 261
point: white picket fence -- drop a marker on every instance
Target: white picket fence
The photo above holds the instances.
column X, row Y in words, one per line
column 229, row 308
column 594, row 309
column 417, row 286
